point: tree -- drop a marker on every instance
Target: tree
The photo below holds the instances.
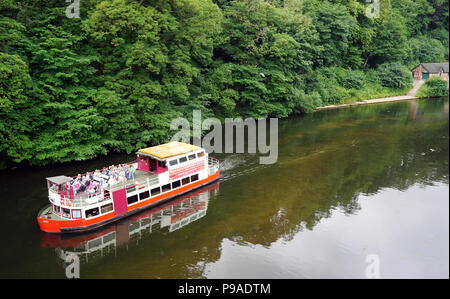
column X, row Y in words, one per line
column 394, row 75
column 335, row 25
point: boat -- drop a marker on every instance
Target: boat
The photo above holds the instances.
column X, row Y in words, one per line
column 92, row 200
column 167, row 217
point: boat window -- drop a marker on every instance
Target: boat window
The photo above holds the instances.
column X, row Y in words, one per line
column 185, row 181
column 173, row 162
column 194, row 178
column 201, row 154
column 56, row 209
column 183, row 159
column 155, row 191
column 166, row 188
column 92, row 212
column 131, row 189
column 176, row 184
column 52, row 186
column 162, row 164
column 65, row 212
column 132, row 199
column 76, row 214
column 106, row 208
column 144, row 195
column 191, row 157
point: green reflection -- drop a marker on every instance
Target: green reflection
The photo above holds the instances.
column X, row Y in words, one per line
column 326, row 160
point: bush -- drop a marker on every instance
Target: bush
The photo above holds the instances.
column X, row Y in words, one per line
column 354, row 79
column 306, row 102
column 394, row 75
column 434, row 87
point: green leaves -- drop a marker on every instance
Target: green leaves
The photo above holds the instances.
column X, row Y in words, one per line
column 394, row 75
column 113, row 80
column 434, row 87
column 13, row 77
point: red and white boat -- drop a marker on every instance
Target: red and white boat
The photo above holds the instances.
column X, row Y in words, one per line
column 92, row 200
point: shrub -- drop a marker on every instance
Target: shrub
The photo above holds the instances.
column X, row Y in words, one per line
column 354, row 79
column 394, row 75
column 434, row 87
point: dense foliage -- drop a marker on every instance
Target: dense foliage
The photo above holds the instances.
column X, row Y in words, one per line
column 113, row 79
column 434, row 87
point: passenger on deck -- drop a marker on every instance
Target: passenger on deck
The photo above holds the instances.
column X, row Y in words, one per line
column 132, row 171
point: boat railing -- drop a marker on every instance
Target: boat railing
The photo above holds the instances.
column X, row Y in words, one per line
column 114, row 166
column 86, row 199
column 149, row 180
column 213, row 165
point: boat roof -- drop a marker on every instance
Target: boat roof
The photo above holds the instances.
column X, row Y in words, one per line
column 168, row 150
column 60, row 179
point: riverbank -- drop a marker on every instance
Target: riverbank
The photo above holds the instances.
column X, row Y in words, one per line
column 336, row 172
column 373, row 101
column 411, row 95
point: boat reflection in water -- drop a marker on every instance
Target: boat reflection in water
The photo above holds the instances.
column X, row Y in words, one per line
column 170, row 216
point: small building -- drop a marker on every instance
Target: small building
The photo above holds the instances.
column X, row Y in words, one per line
column 427, row 70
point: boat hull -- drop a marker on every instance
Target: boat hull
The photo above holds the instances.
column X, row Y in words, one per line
column 83, row 225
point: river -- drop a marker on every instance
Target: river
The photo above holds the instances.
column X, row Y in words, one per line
column 356, row 192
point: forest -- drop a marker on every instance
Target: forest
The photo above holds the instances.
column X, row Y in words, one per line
column 112, row 79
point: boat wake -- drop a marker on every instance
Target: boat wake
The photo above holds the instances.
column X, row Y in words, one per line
column 235, row 165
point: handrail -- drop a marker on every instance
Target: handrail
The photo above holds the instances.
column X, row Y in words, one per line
column 127, row 163
column 213, row 165
column 82, row 199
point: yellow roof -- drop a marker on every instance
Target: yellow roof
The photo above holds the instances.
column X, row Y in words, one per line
column 168, row 150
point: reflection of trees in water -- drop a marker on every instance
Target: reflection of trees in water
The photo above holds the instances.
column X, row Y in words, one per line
column 319, row 170
column 325, row 162
column 356, row 153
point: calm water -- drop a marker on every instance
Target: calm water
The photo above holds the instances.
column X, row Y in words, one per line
column 350, row 186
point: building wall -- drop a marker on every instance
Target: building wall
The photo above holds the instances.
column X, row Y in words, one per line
column 443, row 75
column 418, row 72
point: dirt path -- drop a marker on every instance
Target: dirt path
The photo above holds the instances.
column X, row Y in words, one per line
column 416, row 85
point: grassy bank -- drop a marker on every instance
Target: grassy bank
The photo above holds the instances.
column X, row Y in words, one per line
column 434, row 87
column 373, row 91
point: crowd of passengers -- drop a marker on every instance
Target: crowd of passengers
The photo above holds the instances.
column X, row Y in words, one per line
column 95, row 181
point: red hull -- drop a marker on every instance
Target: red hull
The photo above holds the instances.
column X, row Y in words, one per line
column 63, row 226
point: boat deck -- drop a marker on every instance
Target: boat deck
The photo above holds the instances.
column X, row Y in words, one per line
column 140, row 177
